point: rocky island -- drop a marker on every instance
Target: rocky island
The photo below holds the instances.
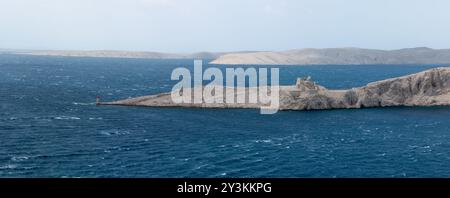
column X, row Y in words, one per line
column 427, row 88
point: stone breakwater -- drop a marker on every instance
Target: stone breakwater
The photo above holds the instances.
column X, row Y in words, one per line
column 427, row 88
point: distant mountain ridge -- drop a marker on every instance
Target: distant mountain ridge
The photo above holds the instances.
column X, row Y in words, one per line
column 307, row 56
column 339, row 56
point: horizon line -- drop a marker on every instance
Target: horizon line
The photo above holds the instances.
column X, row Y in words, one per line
column 206, row 51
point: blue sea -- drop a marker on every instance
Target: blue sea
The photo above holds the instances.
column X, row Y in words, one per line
column 50, row 126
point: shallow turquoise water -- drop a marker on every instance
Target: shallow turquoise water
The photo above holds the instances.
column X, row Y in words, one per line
column 49, row 127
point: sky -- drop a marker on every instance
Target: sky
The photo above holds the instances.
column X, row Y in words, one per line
column 222, row 25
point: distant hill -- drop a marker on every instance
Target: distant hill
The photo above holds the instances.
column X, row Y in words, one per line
column 339, row 56
column 115, row 54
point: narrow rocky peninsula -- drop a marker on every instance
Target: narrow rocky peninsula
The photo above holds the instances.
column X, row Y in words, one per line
column 427, row 88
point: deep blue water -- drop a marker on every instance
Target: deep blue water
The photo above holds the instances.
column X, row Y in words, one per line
column 49, row 127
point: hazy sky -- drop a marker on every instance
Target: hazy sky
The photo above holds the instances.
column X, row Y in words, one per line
column 223, row 25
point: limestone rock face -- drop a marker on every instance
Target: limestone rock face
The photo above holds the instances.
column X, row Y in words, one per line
column 427, row 88
column 423, row 89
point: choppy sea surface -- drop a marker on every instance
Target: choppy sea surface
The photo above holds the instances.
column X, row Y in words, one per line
column 50, row 127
